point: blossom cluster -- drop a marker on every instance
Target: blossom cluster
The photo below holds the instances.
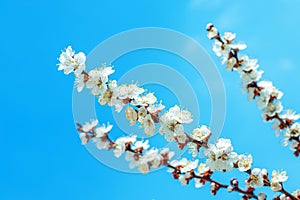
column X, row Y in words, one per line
column 137, row 151
column 144, row 109
column 267, row 95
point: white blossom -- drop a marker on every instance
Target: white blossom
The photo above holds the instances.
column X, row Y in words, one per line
column 213, row 187
column 279, row 176
column 185, row 165
column 98, row 79
column 184, row 178
column 101, row 143
column 154, row 108
column 145, row 100
column 289, row 114
column 277, row 179
column 169, row 136
column 276, row 127
column 88, row 126
column 141, row 144
column 220, row 156
column 251, row 94
column 149, row 156
column 157, row 161
column 143, row 167
column 166, row 154
column 120, row 144
column 71, row 62
column 294, row 145
column 117, row 103
column 252, row 76
column 112, row 84
column 79, row 82
column 163, row 157
column 266, row 93
column 181, row 116
column 221, row 50
column 293, row 131
column 167, row 125
column 142, row 114
column 272, row 108
column 213, row 32
column 147, row 159
column 229, row 37
column 148, row 125
column 209, row 26
column 181, row 138
column 230, row 63
column 262, row 196
column 122, row 94
column 203, row 168
column 106, row 98
column 286, row 139
column 83, row 138
column 185, row 117
column 238, row 46
column 244, row 162
column 169, row 121
column 247, row 63
column 131, row 115
column 133, row 158
column 133, row 91
column 201, row 133
column 189, row 165
column 192, row 149
column 176, row 163
column 275, row 186
column 100, row 131
column 179, row 133
column 255, row 179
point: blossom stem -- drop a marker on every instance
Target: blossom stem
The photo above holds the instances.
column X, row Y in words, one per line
column 221, row 185
column 284, row 122
column 248, row 194
column 283, row 191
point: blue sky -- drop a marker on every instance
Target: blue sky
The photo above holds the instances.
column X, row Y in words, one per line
column 41, row 154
